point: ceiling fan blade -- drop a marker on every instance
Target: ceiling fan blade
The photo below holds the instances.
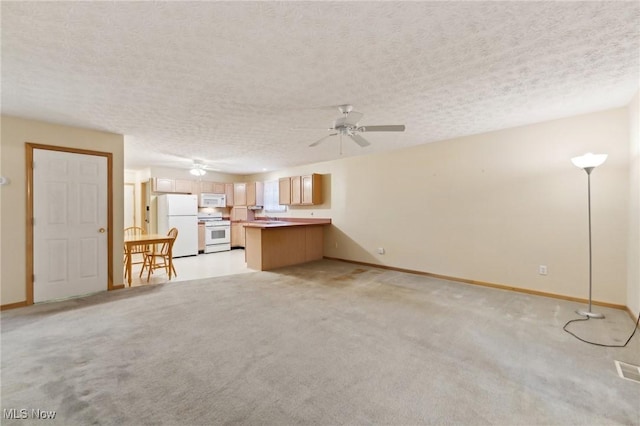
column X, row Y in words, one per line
column 360, row 140
column 321, row 139
column 309, row 128
column 353, row 117
column 388, row 128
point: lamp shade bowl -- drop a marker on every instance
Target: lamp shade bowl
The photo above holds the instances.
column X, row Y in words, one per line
column 589, row 160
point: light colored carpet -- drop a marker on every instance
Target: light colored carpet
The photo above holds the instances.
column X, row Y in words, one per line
column 326, row 343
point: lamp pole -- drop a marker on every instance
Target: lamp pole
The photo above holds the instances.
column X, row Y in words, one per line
column 588, row 162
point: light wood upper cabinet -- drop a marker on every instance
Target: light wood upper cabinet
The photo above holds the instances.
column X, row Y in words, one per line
column 239, row 194
column 284, row 191
column 255, row 194
column 207, row 187
column 228, row 190
column 218, row 188
column 296, row 190
column 184, row 186
column 251, row 194
column 163, row 185
column 181, row 186
column 248, row 194
column 312, row 189
column 304, row 190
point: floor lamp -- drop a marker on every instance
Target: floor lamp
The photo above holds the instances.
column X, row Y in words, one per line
column 588, row 162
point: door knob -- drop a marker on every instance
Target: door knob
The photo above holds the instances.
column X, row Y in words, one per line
column 102, row 230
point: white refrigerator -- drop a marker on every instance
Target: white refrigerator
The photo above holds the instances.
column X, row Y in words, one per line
column 180, row 211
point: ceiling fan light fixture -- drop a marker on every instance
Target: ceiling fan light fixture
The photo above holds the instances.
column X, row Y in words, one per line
column 198, row 169
column 197, row 172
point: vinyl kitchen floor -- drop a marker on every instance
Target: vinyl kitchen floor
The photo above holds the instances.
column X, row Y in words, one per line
column 195, row 267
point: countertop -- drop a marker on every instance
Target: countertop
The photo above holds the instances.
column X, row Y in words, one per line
column 285, row 222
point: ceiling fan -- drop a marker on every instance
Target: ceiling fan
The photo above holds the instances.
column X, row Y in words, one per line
column 195, row 166
column 198, row 168
column 347, row 125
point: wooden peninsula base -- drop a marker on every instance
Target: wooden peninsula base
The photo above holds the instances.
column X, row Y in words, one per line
column 274, row 245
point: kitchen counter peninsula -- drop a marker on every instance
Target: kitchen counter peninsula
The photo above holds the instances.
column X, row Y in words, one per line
column 272, row 244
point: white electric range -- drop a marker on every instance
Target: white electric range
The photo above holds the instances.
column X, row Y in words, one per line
column 217, row 232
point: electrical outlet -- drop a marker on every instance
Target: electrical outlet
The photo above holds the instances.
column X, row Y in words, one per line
column 380, row 250
column 542, row 270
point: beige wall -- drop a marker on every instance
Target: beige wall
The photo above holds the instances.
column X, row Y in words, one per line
column 489, row 207
column 15, row 132
column 633, row 279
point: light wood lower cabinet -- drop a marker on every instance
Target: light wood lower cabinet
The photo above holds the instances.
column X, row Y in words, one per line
column 237, row 235
column 270, row 248
column 201, row 237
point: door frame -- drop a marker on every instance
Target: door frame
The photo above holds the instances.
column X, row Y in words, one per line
column 30, row 146
column 144, row 205
column 133, row 200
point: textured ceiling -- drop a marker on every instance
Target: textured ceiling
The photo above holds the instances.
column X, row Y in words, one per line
column 247, row 86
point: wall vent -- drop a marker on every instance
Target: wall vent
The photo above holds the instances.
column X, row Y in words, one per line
column 628, row 371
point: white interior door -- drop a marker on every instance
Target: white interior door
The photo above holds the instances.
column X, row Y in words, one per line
column 70, row 224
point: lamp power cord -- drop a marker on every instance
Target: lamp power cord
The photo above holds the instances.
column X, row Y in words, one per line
column 635, row 328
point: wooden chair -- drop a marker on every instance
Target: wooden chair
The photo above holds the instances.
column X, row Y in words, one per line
column 133, row 231
column 158, row 257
